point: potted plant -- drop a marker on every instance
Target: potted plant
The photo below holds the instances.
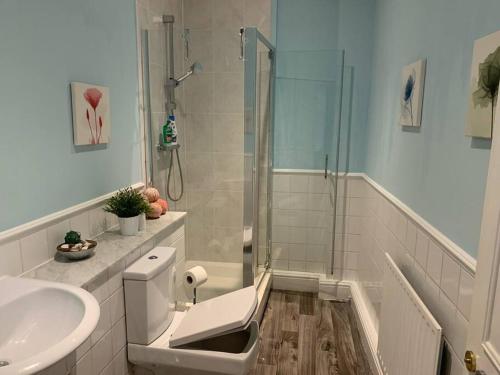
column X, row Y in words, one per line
column 128, row 204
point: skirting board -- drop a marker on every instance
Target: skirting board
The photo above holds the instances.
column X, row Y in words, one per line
column 335, row 290
column 296, row 281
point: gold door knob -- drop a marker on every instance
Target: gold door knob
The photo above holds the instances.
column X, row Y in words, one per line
column 470, row 360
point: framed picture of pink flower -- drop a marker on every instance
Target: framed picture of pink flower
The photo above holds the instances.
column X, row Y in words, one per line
column 91, row 117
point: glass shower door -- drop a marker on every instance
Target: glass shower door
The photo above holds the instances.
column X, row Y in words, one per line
column 258, row 104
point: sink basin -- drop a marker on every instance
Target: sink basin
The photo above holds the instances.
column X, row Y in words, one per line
column 41, row 322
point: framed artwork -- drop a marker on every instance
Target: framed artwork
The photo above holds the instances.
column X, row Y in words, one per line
column 91, row 117
column 412, row 93
column 485, row 77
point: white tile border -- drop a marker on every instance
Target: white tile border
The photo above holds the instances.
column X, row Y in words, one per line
column 449, row 246
column 43, row 222
column 466, row 260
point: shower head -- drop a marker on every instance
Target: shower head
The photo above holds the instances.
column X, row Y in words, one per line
column 193, row 69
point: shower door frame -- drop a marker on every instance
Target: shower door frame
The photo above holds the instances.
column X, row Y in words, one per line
column 250, row 38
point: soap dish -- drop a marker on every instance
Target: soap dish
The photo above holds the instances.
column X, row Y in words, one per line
column 77, row 252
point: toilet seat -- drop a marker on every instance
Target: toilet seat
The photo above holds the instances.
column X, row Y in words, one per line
column 220, row 315
column 196, row 340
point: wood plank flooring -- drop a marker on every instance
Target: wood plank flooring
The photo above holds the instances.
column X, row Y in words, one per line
column 302, row 335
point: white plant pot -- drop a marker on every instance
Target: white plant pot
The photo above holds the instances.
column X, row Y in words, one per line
column 142, row 222
column 129, row 226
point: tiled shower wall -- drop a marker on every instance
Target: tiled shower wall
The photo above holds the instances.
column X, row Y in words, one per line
column 303, row 224
column 369, row 224
column 209, row 115
column 213, row 134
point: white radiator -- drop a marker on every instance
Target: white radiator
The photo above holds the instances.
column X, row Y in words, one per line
column 409, row 340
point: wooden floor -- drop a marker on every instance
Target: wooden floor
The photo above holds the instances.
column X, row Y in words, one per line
column 302, row 335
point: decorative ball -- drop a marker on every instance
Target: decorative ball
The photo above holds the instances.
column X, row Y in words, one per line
column 155, row 211
column 152, row 194
column 164, row 205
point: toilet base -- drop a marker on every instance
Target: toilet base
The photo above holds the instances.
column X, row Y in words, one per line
column 168, row 370
column 206, row 359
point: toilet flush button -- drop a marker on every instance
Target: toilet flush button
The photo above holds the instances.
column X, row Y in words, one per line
column 153, row 257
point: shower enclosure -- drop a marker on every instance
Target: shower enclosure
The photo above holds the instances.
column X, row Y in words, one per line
column 311, row 154
column 224, row 120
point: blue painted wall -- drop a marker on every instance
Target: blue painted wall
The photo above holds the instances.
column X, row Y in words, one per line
column 44, row 46
column 437, row 171
column 309, row 37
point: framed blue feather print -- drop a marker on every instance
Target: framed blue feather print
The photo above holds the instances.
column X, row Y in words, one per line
column 412, row 93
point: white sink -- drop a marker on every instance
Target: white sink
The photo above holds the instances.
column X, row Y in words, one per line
column 42, row 322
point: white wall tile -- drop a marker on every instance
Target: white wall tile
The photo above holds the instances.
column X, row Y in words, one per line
column 445, row 314
column 279, row 251
column 10, row 259
column 458, row 335
column 281, row 183
column 315, row 267
column 279, row 264
column 318, row 185
column 354, row 224
column 97, row 222
column 80, row 223
column 297, row 201
column 354, row 242
column 281, row 234
column 297, row 266
column 55, row 235
column 120, row 366
column 318, row 236
column 108, row 370
column 421, row 248
column 298, row 218
column 299, row 235
column 315, row 253
column 401, row 226
column 102, row 353
column 34, row 250
column 297, row 252
column 299, row 183
column 319, row 219
column 117, row 306
column 82, row 349
column 84, row 365
column 319, row 202
column 434, row 262
column 104, row 323
column 356, row 188
column 450, row 278
column 411, row 237
column 466, row 289
column 281, row 217
column 357, row 207
column 119, row 336
column 116, row 280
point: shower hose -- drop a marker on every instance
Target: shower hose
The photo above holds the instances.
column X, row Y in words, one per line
column 169, row 177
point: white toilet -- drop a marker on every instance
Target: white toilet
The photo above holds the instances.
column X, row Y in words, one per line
column 217, row 336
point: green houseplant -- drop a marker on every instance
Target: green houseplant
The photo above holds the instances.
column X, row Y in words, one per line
column 128, row 204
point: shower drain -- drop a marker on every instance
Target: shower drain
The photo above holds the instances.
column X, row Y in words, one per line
column 4, row 363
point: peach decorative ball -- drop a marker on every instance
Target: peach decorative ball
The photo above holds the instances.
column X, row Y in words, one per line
column 152, row 194
column 164, row 205
column 155, row 211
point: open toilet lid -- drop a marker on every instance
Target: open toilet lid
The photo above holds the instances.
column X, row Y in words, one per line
column 216, row 316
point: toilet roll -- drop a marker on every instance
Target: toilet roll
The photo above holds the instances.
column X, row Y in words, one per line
column 193, row 278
